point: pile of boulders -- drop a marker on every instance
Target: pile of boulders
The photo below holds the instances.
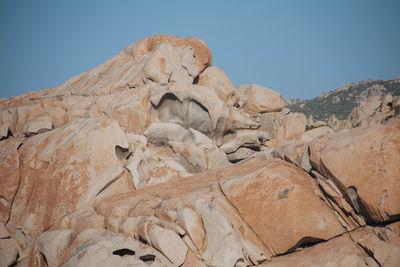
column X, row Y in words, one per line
column 155, row 158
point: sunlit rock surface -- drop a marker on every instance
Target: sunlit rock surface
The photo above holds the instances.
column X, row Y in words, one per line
column 155, row 158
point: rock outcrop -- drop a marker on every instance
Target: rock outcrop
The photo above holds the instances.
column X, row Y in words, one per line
column 155, row 158
column 342, row 101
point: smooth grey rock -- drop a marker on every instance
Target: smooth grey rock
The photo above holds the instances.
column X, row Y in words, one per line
column 110, row 249
column 5, row 122
column 254, row 253
column 162, row 133
column 9, row 251
column 188, row 61
column 265, row 153
column 240, row 154
column 128, row 226
column 52, row 245
column 223, row 244
column 163, row 60
column 139, row 167
column 38, row 125
column 197, row 159
column 3, row 231
column 247, row 139
column 172, row 226
column 283, row 127
column 169, row 243
column 189, row 220
column 180, row 75
column 309, row 135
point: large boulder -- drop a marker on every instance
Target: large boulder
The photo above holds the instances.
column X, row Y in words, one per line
column 169, row 243
column 223, row 244
column 281, row 126
column 366, row 162
column 199, row 108
column 283, row 205
column 63, row 170
column 38, row 125
column 255, row 98
column 217, row 78
column 165, row 63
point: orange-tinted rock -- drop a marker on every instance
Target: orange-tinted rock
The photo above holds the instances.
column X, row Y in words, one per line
column 9, row 175
column 291, row 152
column 62, row 171
column 281, row 126
column 202, row 53
column 124, row 137
column 38, row 125
column 339, row 252
column 217, row 78
column 366, row 160
column 125, row 70
column 282, row 204
column 258, row 99
column 6, row 118
column 19, row 112
column 384, row 249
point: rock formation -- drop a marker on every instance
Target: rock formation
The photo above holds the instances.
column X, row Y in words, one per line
column 342, row 101
column 155, row 158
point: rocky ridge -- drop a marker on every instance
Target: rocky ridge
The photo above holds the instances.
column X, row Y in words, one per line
column 342, row 101
column 155, row 158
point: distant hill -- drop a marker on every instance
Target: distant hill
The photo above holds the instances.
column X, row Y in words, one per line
column 341, row 101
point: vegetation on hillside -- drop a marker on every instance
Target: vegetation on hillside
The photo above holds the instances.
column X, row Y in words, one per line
column 340, row 102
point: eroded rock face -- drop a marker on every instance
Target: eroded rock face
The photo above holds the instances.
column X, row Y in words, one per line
column 216, row 78
column 281, row 126
column 366, row 160
column 63, row 170
column 276, row 201
column 156, row 158
column 10, row 175
column 341, row 251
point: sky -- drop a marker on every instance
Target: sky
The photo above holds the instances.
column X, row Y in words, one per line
column 298, row 48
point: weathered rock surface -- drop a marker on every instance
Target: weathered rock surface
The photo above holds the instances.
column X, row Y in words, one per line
column 381, row 243
column 53, row 244
column 155, row 158
column 10, row 175
column 281, row 126
column 258, row 99
column 38, row 125
column 63, row 170
column 280, row 202
column 8, row 252
column 340, row 252
column 366, row 161
column 169, row 243
column 216, row 78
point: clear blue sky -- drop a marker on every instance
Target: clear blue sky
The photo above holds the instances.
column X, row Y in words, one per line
column 299, row 48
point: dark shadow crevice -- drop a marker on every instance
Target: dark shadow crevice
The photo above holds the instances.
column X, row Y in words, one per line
column 122, row 153
column 124, row 251
column 147, row 258
column 305, row 242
